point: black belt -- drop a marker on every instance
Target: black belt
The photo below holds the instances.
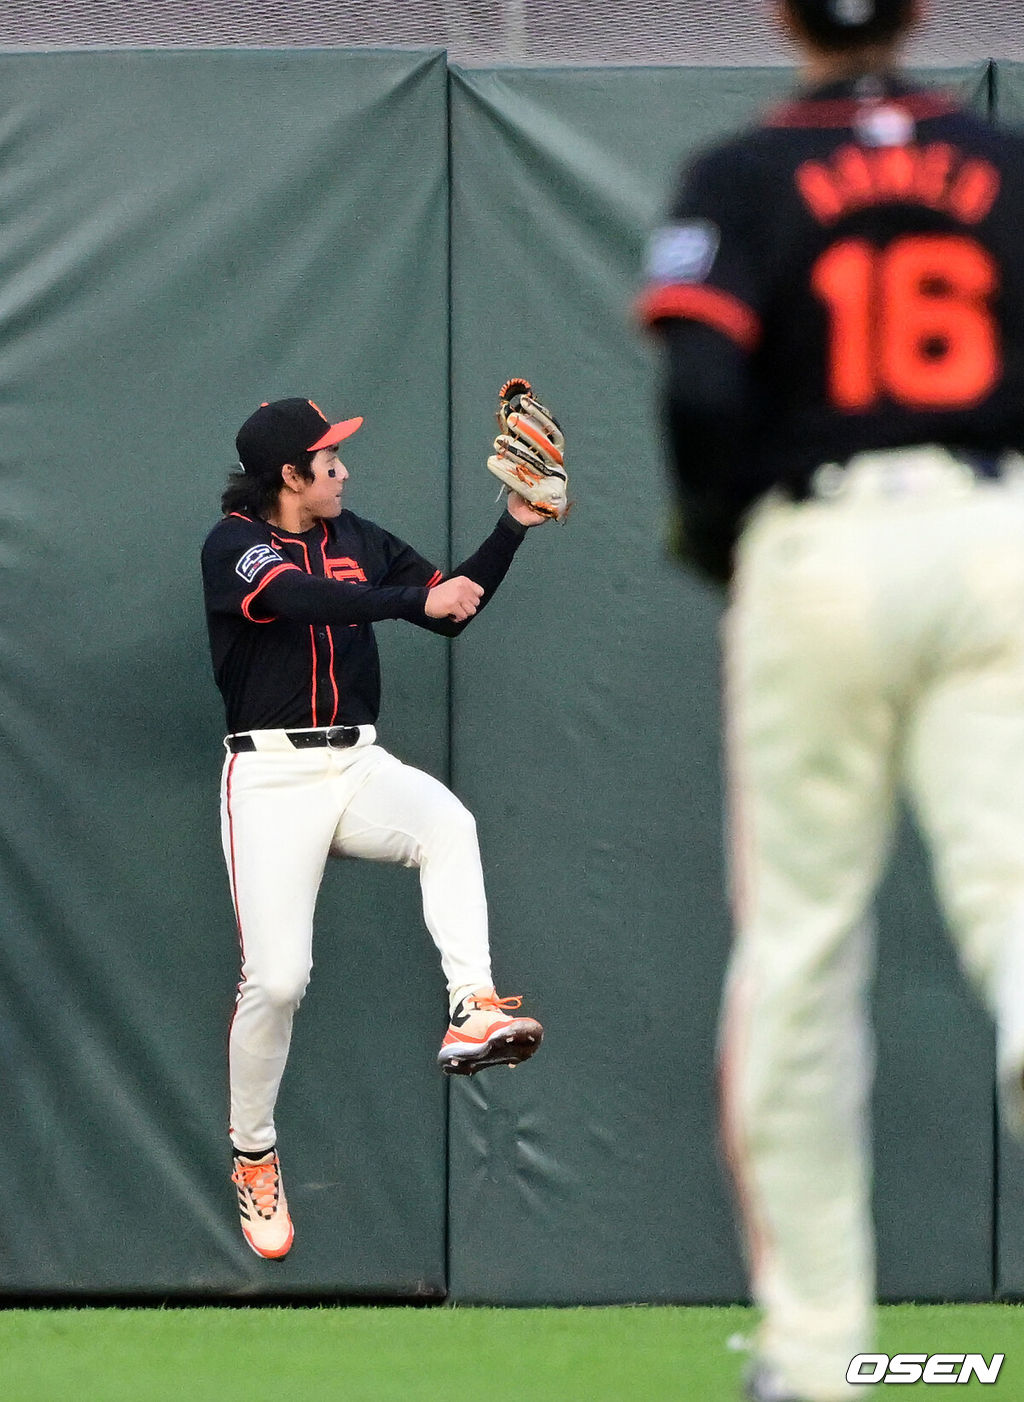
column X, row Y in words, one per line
column 338, row 737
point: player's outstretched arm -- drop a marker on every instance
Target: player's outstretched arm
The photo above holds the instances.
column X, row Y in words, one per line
column 243, row 573
column 529, row 461
column 484, row 570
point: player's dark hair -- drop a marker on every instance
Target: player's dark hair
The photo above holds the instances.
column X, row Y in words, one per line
column 840, row 26
column 257, row 492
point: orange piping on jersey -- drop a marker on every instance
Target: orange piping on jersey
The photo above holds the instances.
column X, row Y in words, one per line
column 240, row 516
column 846, row 112
column 435, row 579
column 719, row 310
column 247, row 601
column 938, row 175
column 312, row 641
column 330, row 636
column 334, row 684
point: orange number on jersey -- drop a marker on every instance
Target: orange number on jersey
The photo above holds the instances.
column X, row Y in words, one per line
column 912, row 321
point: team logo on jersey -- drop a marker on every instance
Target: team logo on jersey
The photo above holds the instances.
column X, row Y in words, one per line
column 344, row 569
column 683, row 252
column 255, row 559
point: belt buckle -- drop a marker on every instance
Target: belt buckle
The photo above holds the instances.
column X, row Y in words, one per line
column 341, row 737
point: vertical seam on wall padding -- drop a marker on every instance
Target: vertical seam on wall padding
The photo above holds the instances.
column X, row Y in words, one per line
column 449, row 642
column 449, row 362
column 992, row 99
column 994, row 1290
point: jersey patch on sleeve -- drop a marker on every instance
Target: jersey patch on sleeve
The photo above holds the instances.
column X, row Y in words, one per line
column 683, row 252
column 256, row 558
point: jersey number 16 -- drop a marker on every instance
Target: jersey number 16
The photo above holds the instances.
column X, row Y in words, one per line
column 911, row 321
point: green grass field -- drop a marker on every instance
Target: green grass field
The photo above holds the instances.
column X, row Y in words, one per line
column 640, row 1354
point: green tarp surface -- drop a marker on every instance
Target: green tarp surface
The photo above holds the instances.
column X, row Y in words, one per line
column 187, row 234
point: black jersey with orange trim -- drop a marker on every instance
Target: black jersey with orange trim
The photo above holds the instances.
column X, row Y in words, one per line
column 291, row 616
column 860, row 250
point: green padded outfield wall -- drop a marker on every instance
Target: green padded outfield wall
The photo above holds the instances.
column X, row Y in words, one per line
column 185, row 235
column 1008, row 87
column 599, row 1162
column 1009, row 1242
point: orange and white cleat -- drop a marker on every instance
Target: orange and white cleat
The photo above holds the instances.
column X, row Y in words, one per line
column 483, row 1033
column 262, row 1205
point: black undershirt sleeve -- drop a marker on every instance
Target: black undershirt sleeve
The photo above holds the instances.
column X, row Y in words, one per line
column 305, row 598
column 487, row 566
column 489, row 563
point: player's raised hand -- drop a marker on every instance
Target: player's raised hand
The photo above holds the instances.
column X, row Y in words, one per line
column 456, row 598
column 523, row 512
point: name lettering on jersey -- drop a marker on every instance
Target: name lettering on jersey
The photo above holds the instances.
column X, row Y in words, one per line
column 938, row 176
column 256, row 558
column 345, row 569
column 683, row 252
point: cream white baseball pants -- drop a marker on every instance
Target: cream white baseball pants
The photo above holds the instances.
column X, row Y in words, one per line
column 283, row 813
column 875, row 641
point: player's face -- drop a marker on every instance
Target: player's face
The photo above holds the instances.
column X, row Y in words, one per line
column 322, row 496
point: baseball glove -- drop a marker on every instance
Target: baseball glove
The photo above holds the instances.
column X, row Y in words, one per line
column 529, row 451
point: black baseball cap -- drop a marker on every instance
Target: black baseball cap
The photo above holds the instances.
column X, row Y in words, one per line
column 282, row 431
column 848, row 23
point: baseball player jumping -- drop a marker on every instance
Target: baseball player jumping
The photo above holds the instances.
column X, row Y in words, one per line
column 840, row 292
column 293, row 585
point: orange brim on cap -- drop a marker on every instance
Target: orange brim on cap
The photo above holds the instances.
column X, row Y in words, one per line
column 337, row 433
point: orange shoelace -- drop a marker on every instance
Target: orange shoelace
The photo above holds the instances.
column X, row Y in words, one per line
column 492, row 1003
column 260, row 1181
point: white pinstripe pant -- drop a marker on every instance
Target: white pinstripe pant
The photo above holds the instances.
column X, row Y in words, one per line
column 874, row 641
column 283, row 812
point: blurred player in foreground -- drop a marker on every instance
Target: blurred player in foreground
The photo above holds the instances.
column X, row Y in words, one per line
column 294, row 583
column 840, row 293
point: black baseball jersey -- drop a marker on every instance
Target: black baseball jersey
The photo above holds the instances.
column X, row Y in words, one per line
column 860, row 253
column 290, row 616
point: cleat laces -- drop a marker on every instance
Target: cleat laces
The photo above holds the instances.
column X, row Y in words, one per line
column 260, row 1181
column 492, row 1003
